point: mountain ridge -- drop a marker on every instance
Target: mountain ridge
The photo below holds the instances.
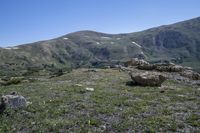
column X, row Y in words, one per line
column 105, row 32
column 178, row 43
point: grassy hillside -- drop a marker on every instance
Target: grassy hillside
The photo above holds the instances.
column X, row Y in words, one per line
column 63, row 104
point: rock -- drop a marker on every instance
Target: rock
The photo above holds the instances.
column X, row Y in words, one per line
column 147, row 67
column 188, row 68
column 91, row 70
column 177, row 68
column 136, row 62
column 148, row 79
column 15, row 101
column 190, row 74
column 169, row 68
column 89, row 89
column 79, row 85
column 163, row 89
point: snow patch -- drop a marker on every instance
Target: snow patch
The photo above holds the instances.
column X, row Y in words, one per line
column 11, row 48
column 79, row 85
column 142, row 52
column 104, row 37
column 97, row 42
column 137, row 44
column 112, row 42
column 118, row 38
column 8, row 48
column 181, row 95
column 65, row 38
column 15, row 48
column 89, row 89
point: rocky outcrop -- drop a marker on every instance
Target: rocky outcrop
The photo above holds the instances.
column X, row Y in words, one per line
column 168, row 69
column 162, row 67
column 148, row 79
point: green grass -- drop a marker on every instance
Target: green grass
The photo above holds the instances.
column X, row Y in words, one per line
column 59, row 105
column 194, row 120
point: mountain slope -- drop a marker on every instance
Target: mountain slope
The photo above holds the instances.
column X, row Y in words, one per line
column 178, row 42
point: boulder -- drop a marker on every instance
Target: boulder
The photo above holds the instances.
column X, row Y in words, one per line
column 147, row 79
column 169, row 68
column 190, row 74
column 176, row 68
column 14, row 101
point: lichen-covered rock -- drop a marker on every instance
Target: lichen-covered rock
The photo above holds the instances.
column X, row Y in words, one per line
column 163, row 67
column 15, row 101
column 148, row 79
column 169, row 68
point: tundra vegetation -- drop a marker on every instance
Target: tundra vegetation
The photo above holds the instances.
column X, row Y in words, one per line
column 64, row 103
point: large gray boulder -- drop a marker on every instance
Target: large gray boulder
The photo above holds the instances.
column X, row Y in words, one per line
column 148, row 78
column 14, row 101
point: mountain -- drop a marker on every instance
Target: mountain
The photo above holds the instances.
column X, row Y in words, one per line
column 179, row 43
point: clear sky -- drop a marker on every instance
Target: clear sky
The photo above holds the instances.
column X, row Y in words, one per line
column 24, row 21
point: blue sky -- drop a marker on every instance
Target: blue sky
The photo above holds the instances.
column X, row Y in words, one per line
column 24, row 21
